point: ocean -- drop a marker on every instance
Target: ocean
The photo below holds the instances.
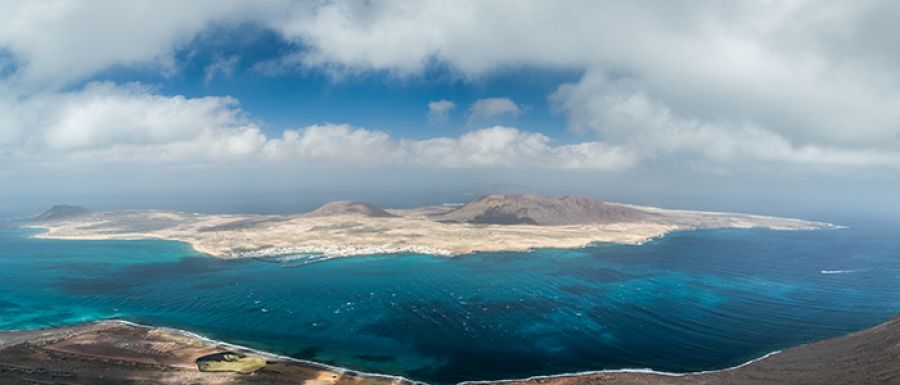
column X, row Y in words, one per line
column 689, row 301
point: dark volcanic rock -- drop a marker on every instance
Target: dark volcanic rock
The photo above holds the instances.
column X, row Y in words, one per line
column 349, row 208
column 60, row 212
column 540, row 210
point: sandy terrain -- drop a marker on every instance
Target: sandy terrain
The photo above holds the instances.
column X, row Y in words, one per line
column 110, row 352
column 415, row 230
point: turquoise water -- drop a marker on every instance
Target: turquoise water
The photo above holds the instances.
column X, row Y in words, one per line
column 690, row 301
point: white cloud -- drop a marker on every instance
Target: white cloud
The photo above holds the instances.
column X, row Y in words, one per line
column 109, row 124
column 330, row 144
column 819, row 78
column 492, row 108
column 624, row 115
column 509, row 147
column 494, row 147
column 803, row 82
column 439, row 110
column 104, row 114
column 64, row 40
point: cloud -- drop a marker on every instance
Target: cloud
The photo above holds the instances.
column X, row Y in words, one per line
column 731, row 83
column 220, row 66
column 494, row 147
column 813, row 82
column 439, row 110
column 492, row 108
column 59, row 41
column 405, row 37
column 333, row 144
column 105, row 123
column 509, row 147
column 624, row 114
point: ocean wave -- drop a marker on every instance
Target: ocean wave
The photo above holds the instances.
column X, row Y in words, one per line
column 843, row 271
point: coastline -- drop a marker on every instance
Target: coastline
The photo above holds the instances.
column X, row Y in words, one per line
column 886, row 335
column 348, row 247
column 467, row 382
column 342, row 229
column 279, row 357
column 322, row 252
column 262, row 353
column 624, row 370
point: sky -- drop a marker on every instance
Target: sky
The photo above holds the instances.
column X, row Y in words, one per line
column 775, row 107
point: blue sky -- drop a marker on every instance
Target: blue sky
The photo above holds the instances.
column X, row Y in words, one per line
column 378, row 100
column 747, row 106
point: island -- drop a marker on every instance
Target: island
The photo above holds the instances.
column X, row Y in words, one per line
column 488, row 224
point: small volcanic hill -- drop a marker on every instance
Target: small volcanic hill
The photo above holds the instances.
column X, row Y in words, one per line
column 60, row 212
column 540, row 210
column 349, row 208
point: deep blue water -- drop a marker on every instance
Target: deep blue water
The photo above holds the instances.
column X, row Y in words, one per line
column 689, row 301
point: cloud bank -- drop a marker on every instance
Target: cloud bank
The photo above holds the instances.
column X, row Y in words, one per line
column 106, row 123
column 723, row 85
column 803, row 82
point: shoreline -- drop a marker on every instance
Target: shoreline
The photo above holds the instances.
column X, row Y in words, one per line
column 335, row 251
column 324, row 253
column 623, row 370
column 189, row 334
column 341, row 369
column 867, row 356
column 262, row 353
column 346, row 229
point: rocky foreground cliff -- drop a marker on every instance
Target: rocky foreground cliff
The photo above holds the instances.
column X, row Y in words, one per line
column 490, row 223
column 119, row 353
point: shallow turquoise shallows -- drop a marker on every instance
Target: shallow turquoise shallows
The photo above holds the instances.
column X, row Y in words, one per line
column 690, row 301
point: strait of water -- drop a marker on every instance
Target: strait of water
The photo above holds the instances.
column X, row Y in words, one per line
column 689, row 301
